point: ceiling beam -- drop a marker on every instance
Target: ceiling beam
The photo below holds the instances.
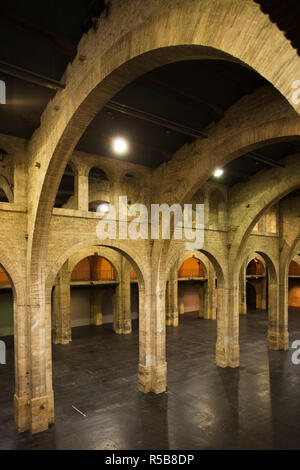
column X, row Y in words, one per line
column 31, row 77
column 246, row 85
column 215, row 110
column 153, row 119
column 262, row 159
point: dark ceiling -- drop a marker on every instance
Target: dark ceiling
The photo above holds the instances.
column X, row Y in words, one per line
column 243, row 168
column 158, row 113
column 286, row 15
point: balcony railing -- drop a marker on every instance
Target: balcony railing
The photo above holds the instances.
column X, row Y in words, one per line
column 85, row 275
column 191, row 273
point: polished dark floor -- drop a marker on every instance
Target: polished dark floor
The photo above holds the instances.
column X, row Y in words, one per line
column 256, row 406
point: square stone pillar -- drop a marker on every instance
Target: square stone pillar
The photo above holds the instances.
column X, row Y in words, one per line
column 210, row 311
column 122, row 301
column 243, row 290
column 278, row 335
column 180, row 302
column 41, row 403
column 22, row 394
column 152, row 372
column 62, row 308
column 202, row 292
column 96, row 298
column 227, row 347
column 82, row 192
column 172, row 302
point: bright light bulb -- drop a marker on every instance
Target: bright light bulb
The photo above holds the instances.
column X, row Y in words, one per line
column 120, row 145
column 218, row 172
column 103, row 208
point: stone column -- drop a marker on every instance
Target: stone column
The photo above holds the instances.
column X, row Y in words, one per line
column 122, row 301
column 227, row 348
column 278, row 335
column 62, row 333
column 96, row 298
column 180, row 301
column 152, row 373
column 243, row 290
column 210, row 311
column 263, row 294
column 202, row 299
column 172, row 302
column 41, row 403
column 82, row 192
column 22, row 394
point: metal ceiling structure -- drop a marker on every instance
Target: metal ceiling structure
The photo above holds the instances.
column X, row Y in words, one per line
column 158, row 113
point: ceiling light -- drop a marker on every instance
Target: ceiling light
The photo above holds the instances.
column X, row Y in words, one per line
column 120, row 145
column 218, row 172
column 103, row 208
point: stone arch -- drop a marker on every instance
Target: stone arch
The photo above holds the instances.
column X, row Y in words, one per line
column 126, row 251
column 260, row 260
column 75, row 259
column 252, row 129
column 146, row 45
column 282, row 182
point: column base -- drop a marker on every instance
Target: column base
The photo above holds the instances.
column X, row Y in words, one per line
column 278, row 341
column 61, row 341
column 172, row 319
column 96, row 319
column 227, row 355
column 210, row 316
column 63, row 338
column 22, row 413
column 152, row 378
column 42, row 413
column 123, row 328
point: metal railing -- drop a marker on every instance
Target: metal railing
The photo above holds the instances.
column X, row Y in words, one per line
column 85, row 275
column 191, row 273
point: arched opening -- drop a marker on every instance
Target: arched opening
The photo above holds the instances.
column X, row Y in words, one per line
column 259, row 279
column 12, row 352
column 192, row 289
column 92, row 287
column 6, row 305
column 216, row 208
column 65, row 197
column 198, row 198
column 105, row 360
column 256, row 286
column 134, row 295
column 132, row 187
column 294, row 286
column 251, row 296
column 99, row 189
column 3, row 196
